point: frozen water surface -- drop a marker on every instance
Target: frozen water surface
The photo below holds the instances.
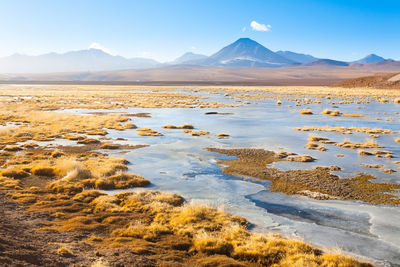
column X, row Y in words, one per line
column 180, row 163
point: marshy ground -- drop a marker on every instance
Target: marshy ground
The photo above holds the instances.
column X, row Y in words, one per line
column 74, row 157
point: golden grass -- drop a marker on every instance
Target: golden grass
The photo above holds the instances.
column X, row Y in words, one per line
column 317, row 138
column 388, row 171
column 331, row 112
column 47, row 126
column 184, row 126
column 9, row 183
column 45, row 171
column 314, row 146
column 196, row 133
column 336, row 113
column 14, row 172
column 222, row 135
column 366, row 144
column 355, row 115
column 364, row 153
column 65, row 252
column 148, row 132
column 109, row 146
column 374, row 166
column 211, row 232
column 306, row 112
column 346, row 130
column 117, row 181
column 124, row 219
column 301, row 158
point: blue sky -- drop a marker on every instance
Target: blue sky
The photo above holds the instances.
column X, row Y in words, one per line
column 164, row 30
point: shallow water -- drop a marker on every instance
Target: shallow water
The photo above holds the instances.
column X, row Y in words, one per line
column 179, row 163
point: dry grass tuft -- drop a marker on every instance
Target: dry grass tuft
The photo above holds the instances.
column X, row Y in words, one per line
column 65, row 252
column 315, row 146
column 184, row 126
column 196, row 133
column 222, row 135
column 366, row 144
column 45, row 171
column 306, row 112
column 331, row 112
column 148, row 132
column 119, row 181
column 109, row 146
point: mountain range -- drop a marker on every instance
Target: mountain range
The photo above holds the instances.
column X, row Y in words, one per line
column 244, row 52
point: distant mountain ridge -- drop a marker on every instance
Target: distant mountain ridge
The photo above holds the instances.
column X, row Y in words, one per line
column 297, row 57
column 188, row 58
column 81, row 60
column 372, row 58
column 244, row 52
column 327, row 62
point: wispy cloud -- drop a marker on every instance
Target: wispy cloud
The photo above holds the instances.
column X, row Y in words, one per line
column 95, row 45
column 260, row 27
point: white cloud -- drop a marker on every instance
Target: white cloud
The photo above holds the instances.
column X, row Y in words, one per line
column 95, row 45
column 260, row 27
column 243, row 29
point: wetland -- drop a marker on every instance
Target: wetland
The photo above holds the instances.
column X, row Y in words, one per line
column 228, row 176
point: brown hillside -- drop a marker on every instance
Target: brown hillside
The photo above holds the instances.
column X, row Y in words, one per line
column 382, row 80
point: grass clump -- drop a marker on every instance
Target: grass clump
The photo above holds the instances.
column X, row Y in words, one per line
column 148, row 132
column 109, row 146
column 88, row 141
column 331, row 112
column 196, row 133
column 9, row 183
column 57, row 154
column 45, row 171
column 65, row 252
column 315, row 146
column 366, row 144
column 184, row 126
column 15, row 173
column 12, row 148
column 306, row 112
column 121, row 181
column 222, row 135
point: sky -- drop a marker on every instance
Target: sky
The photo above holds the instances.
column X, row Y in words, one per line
column 164, row 30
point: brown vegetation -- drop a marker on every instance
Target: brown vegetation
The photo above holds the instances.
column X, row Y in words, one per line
column 306, row 112
column 184, row 126
column 385, row 80
column 148, row 132
column 252, row 162
column 345, row 130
